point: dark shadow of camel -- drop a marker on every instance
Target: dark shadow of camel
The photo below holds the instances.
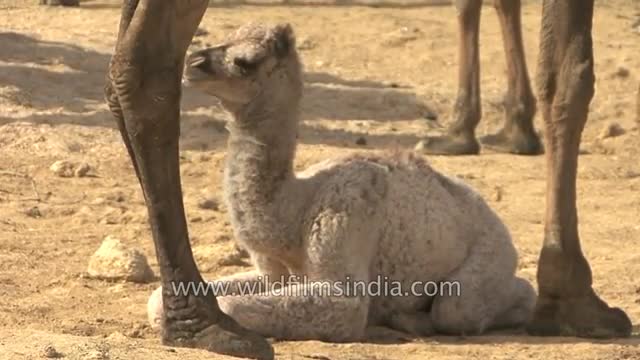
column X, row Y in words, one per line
column 508, row 336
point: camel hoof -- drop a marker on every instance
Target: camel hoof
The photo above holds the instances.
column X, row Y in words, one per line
column 448, row 145
column 587, row 316
column 227, row 337
column 224, row 336
column 518, row 144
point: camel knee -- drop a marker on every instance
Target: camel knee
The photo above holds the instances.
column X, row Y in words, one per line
column 468, row 8
column 566, row 88
column 150, row 90
column 507, row 6
column 578, row 77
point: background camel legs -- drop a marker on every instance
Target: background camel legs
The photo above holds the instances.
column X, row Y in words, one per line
column 567, row 305
column 518, row 134
column 143, row 92
column 467, row 110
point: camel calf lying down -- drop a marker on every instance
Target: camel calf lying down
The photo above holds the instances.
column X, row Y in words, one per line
column 357, row 218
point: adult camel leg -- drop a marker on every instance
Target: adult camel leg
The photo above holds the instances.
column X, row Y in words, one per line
column 143, row 91
column 460, row 138
column 567, row 304
column 518, row 135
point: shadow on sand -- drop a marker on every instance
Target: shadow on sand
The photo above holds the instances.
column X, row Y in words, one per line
column 63, row 84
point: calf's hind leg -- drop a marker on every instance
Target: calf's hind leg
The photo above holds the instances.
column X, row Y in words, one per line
column 490, row 295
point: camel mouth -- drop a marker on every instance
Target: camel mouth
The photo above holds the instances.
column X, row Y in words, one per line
column 199, row 67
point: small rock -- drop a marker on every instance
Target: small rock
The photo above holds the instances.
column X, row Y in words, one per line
column 362, row 141
column 233, row 259
column 401, row 36
column 306, row 44
column 67, row 169
column 134, row 334
column 114, row 261
column 636, row 26
column 116, row 289
column 51, row 353
column 82, row 170
column 117, row 336
column 97, row 355
column 420, row 146
column 208, row 203
column 62, row 168
column 430, row 115
column 201, row 32
column 622, row 72
column 33, row 212
column 241, row 252
column 497, row 194
column 611, row 130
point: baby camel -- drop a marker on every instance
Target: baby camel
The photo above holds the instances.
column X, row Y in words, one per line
column 353, row 218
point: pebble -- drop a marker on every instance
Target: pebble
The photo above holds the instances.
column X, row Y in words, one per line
column 611, row 130
column 497, row 194
column 622, row 72
column 67, row 169
column 114, row 261
column 420, row 146
column 306, row 44
column 50, row 352
column 82, row 170
column 62, row 168
column 401, row 36
column 208, row 203
column 33, row 212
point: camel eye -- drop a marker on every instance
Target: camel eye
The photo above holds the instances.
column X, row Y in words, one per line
column 244, row 64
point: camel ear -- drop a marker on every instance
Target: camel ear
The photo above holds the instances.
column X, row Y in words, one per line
column 285, row 40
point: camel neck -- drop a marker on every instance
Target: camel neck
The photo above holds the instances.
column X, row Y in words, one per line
column 259, row 164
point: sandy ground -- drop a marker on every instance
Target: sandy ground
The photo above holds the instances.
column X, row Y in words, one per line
column 371, row 72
